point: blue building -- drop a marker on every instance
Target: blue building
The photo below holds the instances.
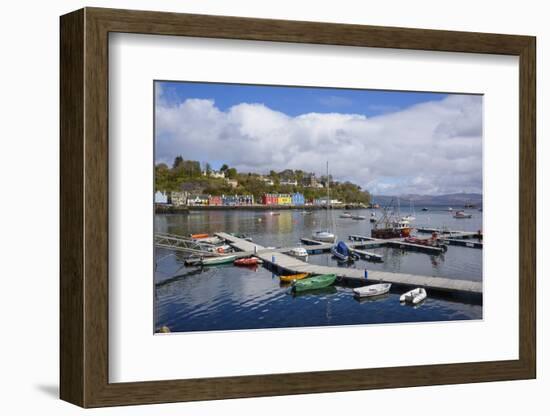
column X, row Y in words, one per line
column 229, row 200
column 298, row 199
column 161, row 197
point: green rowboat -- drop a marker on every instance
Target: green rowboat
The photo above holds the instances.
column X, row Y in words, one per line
column 316, row 282
column 214, row 261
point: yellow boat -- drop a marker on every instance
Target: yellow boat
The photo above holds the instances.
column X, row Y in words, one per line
column 291, row 277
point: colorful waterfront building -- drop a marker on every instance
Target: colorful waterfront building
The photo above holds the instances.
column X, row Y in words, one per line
column 197, row 200
column 178, row 198
column 161, row 197
column 284, row 199
column 229, row 200
column 270, row 199
column 245, row 199
column 298, row 199
column 215, row 200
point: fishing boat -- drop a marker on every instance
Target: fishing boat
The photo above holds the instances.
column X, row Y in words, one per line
column 326, row 235
column 358, row 217
column 414, row 296
column 289, row 278
column 372, row 217
column 311, row 283
column 346, row 215
column 249, row 261
column 299, row 252
column 391, row 225
column 341, row 251
column 461, row 214
column 214, row 261
column 372, row 290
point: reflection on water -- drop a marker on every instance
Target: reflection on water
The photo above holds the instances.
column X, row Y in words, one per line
column 227, row 298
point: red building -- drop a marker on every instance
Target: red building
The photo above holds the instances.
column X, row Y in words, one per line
column 270, row 199
column 215, row 200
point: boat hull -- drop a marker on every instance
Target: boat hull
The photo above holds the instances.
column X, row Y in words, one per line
column 292, row 277
column 214, row 261
column 385, row 233
column 372, row 290
column 312, row 283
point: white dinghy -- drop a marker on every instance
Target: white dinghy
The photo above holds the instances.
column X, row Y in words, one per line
column 414, row 296
column 372, row 290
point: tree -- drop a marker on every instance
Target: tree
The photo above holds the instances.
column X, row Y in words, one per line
column 177, row 162
column 231, row 173
column 208, row 168
column 224, row 168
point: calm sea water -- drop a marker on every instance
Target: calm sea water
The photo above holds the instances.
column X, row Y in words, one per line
column 230, row 298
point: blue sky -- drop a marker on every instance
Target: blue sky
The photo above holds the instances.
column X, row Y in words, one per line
column 388, row 142
column 294, row 101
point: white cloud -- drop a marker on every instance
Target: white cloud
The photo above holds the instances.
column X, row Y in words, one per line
column 433, row 147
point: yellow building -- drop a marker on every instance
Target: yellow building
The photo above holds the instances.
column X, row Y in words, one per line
column 284, row 199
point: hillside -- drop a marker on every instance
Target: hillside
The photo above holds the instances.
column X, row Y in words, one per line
column 451, row 200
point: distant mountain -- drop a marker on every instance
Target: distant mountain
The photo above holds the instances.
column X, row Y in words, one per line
column 450, row 200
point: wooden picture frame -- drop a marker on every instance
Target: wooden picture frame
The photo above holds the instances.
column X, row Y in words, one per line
column 84, row 207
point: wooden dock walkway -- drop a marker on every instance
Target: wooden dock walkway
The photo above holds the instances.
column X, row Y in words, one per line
column 462, row 242
column 283, row 263
column 451, row 233
column 396, row 243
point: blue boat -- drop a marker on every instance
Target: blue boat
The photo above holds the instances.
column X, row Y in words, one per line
column 341, row 251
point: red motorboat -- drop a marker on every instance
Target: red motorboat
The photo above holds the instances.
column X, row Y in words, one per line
column 250, row 261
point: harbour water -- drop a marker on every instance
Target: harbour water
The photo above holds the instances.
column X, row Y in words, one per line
column 230, row 298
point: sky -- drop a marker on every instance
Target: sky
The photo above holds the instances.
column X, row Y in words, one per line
column 388, row 142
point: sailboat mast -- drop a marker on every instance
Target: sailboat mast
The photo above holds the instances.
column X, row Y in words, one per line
column 328, row 195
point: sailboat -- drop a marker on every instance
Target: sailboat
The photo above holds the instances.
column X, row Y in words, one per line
column 325, row 235
column 411, row 216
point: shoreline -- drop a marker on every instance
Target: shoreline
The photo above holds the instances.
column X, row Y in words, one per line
column 161, row 209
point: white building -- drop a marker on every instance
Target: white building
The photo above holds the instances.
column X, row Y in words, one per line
column 268, row 181
column 214, row 174
column 161, row 198
column 178, row 198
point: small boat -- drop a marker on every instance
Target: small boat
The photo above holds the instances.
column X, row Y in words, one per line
column 373, row 217
column 311, row 283
column 414, row 296
column 346, row 215
column 450, row 209
column 372, row 290
column 214, row 261
column 341, row 251
column 274, row 214
column 199, row 236
column 424, row 209
column 289, row 278
column 224, row 248
column 249, row 261
column 408, row 218
column 325, row 236
column 299, row 252
column 461, row 214
column 358, row 217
